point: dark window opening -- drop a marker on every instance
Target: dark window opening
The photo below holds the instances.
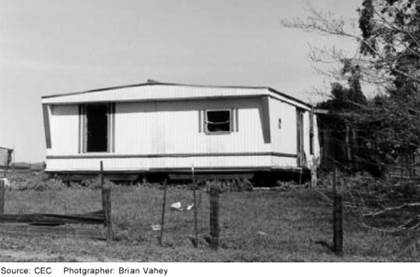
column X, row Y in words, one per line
column 96, row 128
column 218, row 121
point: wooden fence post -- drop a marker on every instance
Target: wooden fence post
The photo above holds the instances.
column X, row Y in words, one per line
column 194, row 183
column 314, row 174
column 214, row 217
column 106, row 204
column 337, row 218
column 101, row 180
column 2, row 197
column 107, row 212
column 162, row 222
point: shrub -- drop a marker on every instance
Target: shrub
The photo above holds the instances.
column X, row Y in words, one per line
column 38, row 183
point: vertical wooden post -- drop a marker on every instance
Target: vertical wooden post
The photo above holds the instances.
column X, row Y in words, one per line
column 347, row 145
column 314, row 174
column 107, row 211
column 106, row 204
column 101, row 180
column 337, row 218
column 195, row 207
column 300, row 175
column 2, row 197
column 214, row 217
column 334, row 180
column 338, row 225
column 162, row 222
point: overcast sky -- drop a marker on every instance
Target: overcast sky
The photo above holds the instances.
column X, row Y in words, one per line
column 53, row 46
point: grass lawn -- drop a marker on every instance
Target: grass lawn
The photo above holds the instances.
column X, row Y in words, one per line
column 255, row 226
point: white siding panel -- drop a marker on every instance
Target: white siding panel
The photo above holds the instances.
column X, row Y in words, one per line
column 306, row 131
column 173, row 127
column 64, row 129
column 284, row 137
column 284, row 162
column 123, row 164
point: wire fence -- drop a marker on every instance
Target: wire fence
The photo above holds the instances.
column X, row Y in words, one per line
column 290, row 219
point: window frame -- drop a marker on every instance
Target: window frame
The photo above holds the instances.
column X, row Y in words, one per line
column 231, row 122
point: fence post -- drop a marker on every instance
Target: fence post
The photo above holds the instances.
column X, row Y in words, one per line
column 214, row 217
column 107, row 211
column 337, row 218
column 101, row 180
column 314, row 174
column 106, row 204
column 194, row 183
column 162, row 222
column 2, row 197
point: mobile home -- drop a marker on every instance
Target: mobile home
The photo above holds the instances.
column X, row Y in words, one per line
column 169, row 128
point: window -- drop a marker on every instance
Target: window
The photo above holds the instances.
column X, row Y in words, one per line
column 96, row 128
column 218, row 121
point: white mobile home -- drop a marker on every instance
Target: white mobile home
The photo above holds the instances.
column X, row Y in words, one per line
column 165, row 127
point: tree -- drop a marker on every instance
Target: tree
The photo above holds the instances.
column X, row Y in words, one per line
column 391, row 38
column 389, row 58
column 340, row 135
column 388, row 125
column 388, row 38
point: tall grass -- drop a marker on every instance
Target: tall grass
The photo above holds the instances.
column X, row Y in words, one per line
column 255, row 226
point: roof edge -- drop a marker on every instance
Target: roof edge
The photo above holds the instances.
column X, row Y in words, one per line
column 154, row 83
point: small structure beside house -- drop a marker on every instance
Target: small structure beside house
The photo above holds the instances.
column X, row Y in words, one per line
column 5, row 157
column 167, row 128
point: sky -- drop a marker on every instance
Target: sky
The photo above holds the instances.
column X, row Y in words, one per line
column 59, row 46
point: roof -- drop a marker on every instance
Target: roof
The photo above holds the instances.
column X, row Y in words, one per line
column 152, row 90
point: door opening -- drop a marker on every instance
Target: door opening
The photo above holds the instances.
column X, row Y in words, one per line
column 97, row 128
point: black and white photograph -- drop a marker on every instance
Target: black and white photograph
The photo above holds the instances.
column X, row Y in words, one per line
column 242, row 131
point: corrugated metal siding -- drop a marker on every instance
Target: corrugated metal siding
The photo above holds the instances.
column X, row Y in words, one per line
column 64, row 130
column 165, row 128
column 173, row 127
column 283, row 138
column 306, row 131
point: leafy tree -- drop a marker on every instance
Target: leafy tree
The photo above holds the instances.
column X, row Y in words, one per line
column 389, row 58
column 388, row 125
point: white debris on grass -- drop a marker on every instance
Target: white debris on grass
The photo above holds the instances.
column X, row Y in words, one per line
column 177, row 206
column 156, row 227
